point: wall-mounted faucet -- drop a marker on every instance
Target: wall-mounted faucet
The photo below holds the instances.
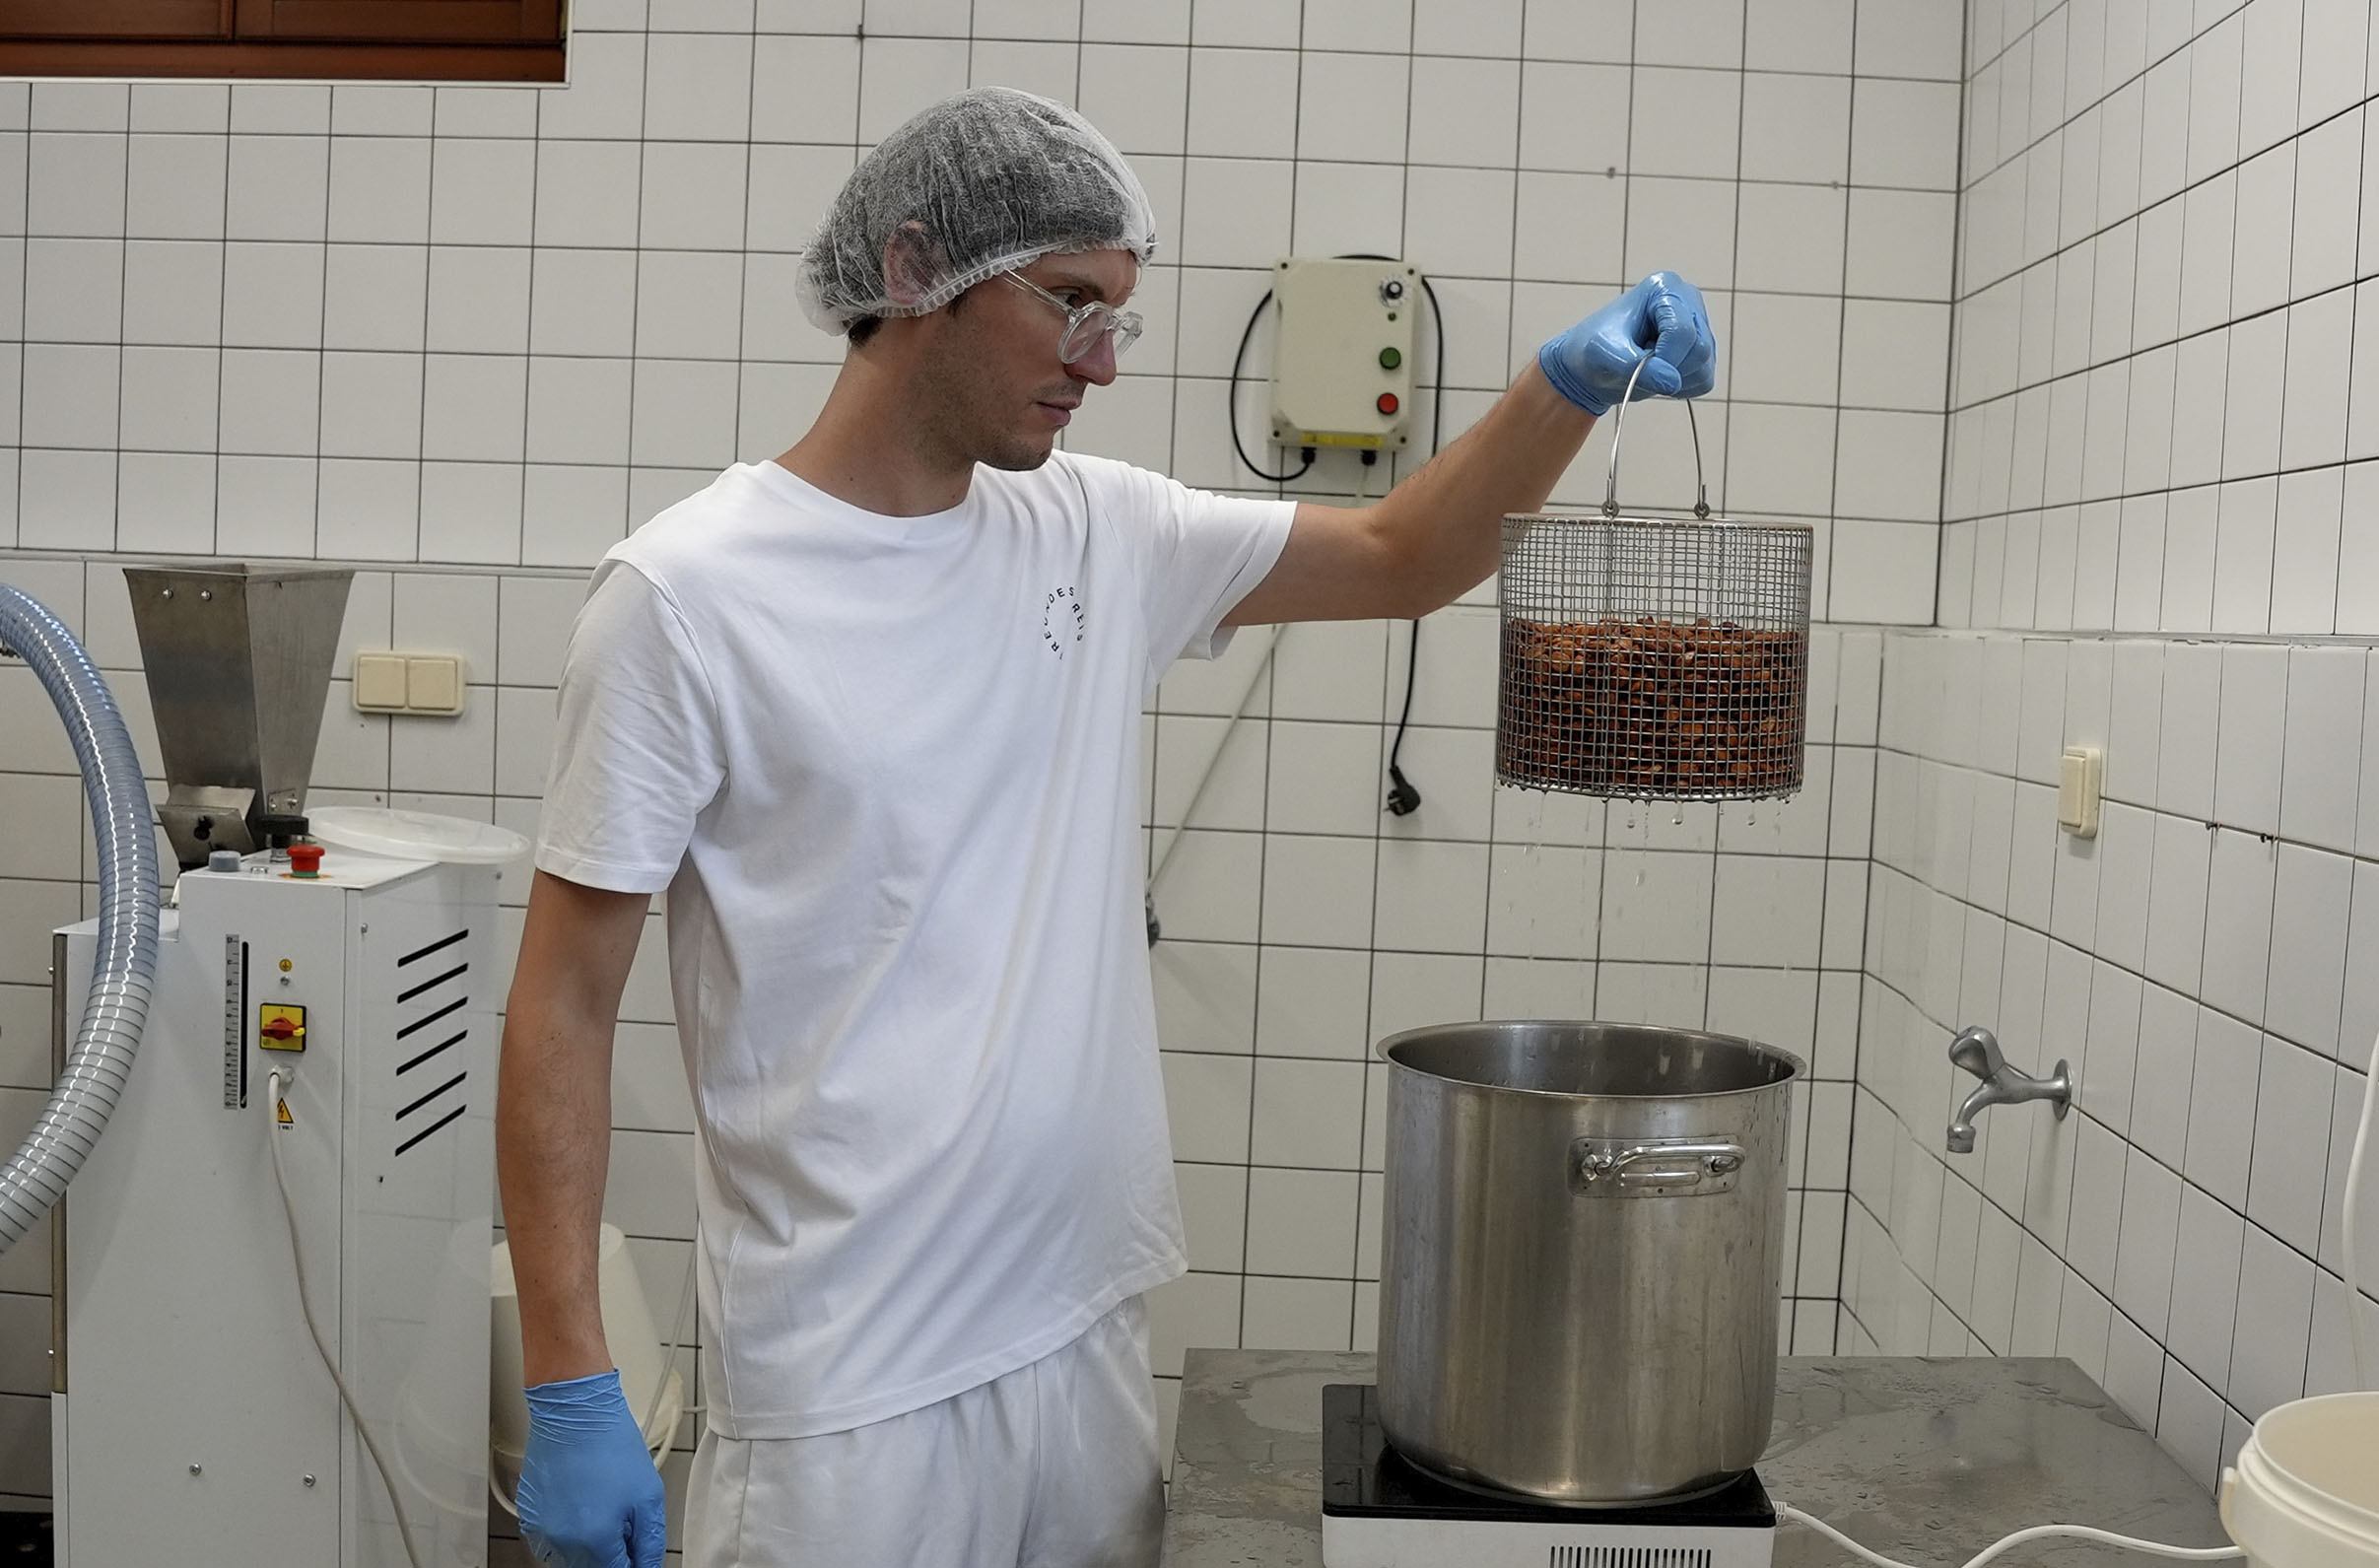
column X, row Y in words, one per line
column 1977, row 1051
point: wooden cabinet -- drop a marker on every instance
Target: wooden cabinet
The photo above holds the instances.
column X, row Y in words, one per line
column 448, row 40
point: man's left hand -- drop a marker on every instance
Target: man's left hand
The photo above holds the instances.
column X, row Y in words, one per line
column 1662, row 317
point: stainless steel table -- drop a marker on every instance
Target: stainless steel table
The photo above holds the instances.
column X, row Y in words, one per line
column 1925, row 1460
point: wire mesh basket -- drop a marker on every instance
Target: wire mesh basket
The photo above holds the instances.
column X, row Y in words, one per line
column 1654, row 659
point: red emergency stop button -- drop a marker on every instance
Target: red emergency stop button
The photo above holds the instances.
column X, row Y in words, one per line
column 306, row 860
column 1388, row 403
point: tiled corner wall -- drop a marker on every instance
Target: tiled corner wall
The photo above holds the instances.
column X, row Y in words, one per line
column 2159, row 401
column 466, row 338
column 2209, row 965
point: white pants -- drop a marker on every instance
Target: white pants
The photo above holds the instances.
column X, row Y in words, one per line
column 1053, row 1466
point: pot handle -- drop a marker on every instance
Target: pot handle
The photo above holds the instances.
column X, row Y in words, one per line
column 1621, row 1168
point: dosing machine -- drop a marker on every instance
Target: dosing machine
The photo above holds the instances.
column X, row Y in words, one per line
column 288, row 1220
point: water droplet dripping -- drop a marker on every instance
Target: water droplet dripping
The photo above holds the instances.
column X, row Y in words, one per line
column 1639, row 876
column 1680, row 821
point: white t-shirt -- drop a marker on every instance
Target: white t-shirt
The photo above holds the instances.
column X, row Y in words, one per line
column 887, row 769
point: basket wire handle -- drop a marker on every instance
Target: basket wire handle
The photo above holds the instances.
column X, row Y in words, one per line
column 1610, row 489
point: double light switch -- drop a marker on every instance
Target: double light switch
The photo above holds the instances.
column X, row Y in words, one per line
column 408, row 683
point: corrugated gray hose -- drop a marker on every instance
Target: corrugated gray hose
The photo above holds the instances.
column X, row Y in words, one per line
column 118, row 1005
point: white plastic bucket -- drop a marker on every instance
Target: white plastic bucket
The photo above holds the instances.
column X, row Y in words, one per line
column 628, row 1332
column 2305, row 1492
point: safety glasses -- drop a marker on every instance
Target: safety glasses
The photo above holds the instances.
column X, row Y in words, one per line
column 1085, row 325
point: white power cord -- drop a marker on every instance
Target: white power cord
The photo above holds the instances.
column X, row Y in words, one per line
column 289, row 1212
column 2355, row 1312
column 2036, row 1532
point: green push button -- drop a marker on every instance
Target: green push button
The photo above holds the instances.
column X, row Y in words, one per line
column 1389, row 359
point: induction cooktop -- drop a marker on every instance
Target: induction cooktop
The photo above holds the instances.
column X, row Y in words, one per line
column 1378, row 1510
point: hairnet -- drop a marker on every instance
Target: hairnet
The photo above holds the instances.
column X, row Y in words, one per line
column 981, row 184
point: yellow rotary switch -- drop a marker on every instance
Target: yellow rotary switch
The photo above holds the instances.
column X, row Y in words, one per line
column 280, row 1027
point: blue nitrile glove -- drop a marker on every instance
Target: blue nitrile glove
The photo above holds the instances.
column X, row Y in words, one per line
column 589, row 1495
column 1590, row 363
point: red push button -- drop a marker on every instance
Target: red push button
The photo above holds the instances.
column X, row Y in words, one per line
column 1388, row 403
column 306, row 860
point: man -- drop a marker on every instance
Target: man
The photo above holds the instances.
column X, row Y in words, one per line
column 871, row 715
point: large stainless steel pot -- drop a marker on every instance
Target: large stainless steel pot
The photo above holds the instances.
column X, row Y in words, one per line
column 1579, row 1277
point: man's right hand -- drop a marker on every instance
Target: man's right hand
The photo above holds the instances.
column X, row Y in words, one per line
column 590, row 1496
column 1659, row 324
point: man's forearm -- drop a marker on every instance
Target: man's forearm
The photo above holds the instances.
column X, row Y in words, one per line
column 1440, row 531
column 1444, row 525
column 553, row 1151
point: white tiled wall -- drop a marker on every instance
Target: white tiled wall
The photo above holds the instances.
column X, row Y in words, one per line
column 499, row 327
column 468, row 337
column 2206, row 964
column 2157, row 427
column 2162, row 412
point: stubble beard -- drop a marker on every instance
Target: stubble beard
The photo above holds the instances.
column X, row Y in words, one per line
column 970, row 423
column 1018, row 459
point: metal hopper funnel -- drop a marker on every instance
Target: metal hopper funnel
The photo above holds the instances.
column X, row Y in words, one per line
column 239, row 660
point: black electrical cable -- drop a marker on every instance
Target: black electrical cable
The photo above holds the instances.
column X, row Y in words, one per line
column 1403, row 799
column 1231, row 409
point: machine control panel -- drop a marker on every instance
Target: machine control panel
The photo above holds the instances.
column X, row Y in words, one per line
column 1342, row 359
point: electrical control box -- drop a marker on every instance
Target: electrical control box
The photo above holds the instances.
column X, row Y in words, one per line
column 1342, row 352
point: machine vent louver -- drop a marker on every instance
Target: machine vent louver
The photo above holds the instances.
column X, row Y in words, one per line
column 432, row 1094
column 434, row 982
column 445, row 1045
column 427, row 1019
column 452, row 1112
column 442, row 1104
column 1630, row 1557
column 432, row 1127
column 438, row 946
